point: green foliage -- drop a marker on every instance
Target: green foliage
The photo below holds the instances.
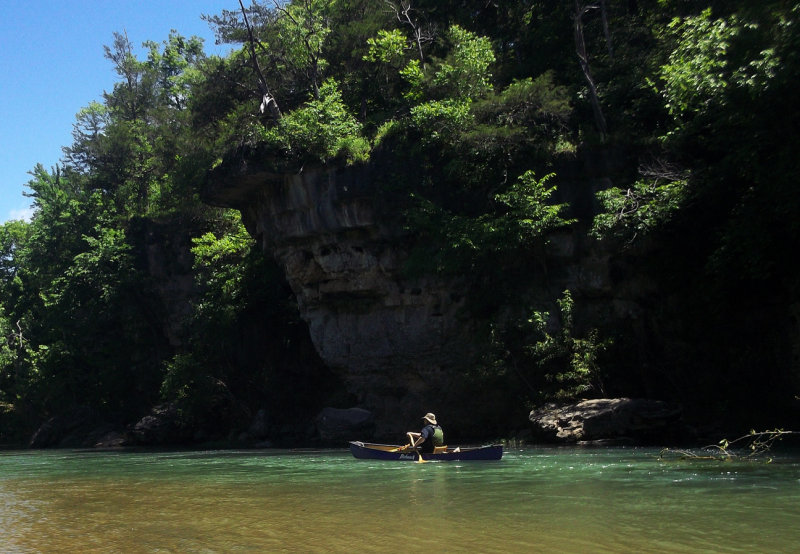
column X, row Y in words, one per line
column 471, row 134
column 640, row 209
column 542, row 359
column 88, row 147
column 174, row 68
column 246, row 342
column 414, row 76
column 81, row 325
column 13, row 235
column 301, row 31
column 387, row 129
column 221, row 271
column 387, row 48
column 529, row 215
column 136, row 145
column 322, row 129
column 527, row 102
column 568, row 363
column 462, row 117
column 441, row 119
column 696, row 72
column 464, row 73
column 218, row 258
column 456, row 244
column 9, row 342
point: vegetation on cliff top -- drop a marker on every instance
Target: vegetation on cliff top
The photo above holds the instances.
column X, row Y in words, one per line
column 694, row 100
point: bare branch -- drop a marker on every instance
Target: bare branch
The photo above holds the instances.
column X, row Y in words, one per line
column 606, row 31
column 268, row 102
column 20, row 336
column 660, row 170
column 422, row 35
column 583, row 59
column 754, row 446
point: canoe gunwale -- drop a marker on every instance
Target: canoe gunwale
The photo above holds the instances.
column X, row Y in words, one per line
column 374, row 451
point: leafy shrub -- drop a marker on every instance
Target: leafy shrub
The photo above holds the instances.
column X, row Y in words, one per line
column 441, row 119
column 569, row 365
column 638, row 210
column 321, row 129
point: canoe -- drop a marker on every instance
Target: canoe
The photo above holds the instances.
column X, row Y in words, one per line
column 370, row 451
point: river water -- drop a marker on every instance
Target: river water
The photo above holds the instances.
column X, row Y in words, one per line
column 533, row 500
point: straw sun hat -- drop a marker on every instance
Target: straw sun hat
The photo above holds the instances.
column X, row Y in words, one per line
column 430, row 418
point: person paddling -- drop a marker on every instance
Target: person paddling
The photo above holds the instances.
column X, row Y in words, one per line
column 431, row 435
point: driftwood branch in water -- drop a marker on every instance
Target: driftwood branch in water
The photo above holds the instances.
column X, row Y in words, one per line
column 752, row 446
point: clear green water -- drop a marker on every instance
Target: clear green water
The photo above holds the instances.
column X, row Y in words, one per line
column 534, row 500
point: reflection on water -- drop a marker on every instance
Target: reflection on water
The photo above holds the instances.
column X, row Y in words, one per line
column 534, row 500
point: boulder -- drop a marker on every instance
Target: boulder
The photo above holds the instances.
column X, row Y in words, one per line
column 112, row 439
column 161, row 426
column 606, row 419
column 336, row 425
column 80, row 427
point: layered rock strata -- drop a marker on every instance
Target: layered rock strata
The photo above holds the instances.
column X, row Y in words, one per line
column 391, row 338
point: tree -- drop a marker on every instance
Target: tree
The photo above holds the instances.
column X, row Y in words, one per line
column 583, row 59
column 322, row 129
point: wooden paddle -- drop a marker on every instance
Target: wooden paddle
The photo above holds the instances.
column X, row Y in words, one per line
column 412, row 439
column 419, row 454
column 407, row 446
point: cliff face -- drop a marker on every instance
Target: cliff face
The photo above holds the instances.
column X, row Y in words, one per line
column 402, row 345
column 390, row 338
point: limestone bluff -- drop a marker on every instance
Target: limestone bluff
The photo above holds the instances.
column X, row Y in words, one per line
column 398, row 342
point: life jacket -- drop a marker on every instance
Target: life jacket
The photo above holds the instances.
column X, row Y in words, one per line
column 438, row 436
column 435, row 437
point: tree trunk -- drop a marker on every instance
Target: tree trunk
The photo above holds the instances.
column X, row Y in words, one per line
column 583, row 58
column 268, row 101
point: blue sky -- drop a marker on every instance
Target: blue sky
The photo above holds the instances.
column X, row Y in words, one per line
column 52, row 65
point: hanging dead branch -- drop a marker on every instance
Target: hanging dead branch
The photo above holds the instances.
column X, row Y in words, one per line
column 422, row 34
column 268, row 102
column 606, row 30
column 583, row 59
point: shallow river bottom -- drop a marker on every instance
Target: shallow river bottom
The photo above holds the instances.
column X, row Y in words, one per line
column 534, row 500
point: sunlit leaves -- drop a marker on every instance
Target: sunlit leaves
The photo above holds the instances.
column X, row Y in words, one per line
column 459, row 243
column 323, row 128
column 529, row 214
column 415, row 78
column 441, row 119
column 567, row 365
column 641, row 208
column 173, row 67
column 465, row 71
column 388, row 47
column 696, row 72
column 218, row 260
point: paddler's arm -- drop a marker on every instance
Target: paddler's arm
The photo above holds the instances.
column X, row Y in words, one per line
column 416, row 439
column 413, row 438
